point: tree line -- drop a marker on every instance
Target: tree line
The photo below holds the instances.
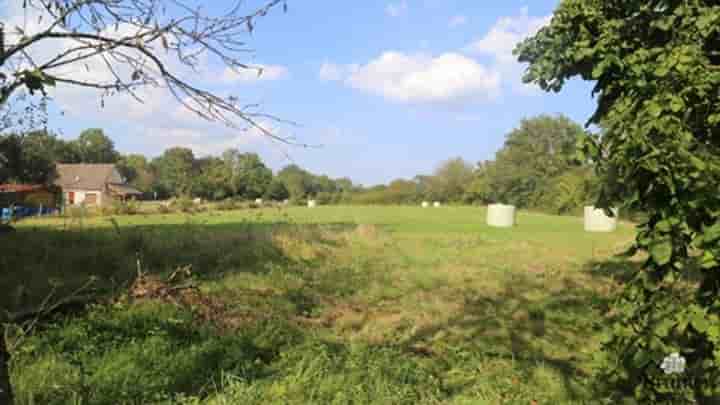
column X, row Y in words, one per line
column 536, row 168
column 30, row 157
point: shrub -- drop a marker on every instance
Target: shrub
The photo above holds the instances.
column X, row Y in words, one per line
column 227, row 204
column 184, row 204
column 119, row 207
column 76, row 211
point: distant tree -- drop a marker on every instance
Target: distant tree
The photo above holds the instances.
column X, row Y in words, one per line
column 540, row 149
column 480, row 189
column 249, row 176
column 93, row 146
column 345, row 189
column 53, row 148
column 344, row 184
column 297, row 181
column 176, row 171
column 137, row 171
column 452, row 178
column 571, row 191
column 277, row 191
column 24, row 160
column 325, row 184
column 214, row 179
column 402, row 192
column 427, row 187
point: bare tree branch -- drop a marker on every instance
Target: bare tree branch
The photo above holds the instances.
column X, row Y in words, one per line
column 136, row 43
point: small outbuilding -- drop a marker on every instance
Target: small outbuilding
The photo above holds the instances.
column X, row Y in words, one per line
column 31, row 195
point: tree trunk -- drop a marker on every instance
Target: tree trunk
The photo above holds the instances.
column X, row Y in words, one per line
column 6, row 396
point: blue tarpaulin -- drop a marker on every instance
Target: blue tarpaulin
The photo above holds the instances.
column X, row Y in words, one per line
column 19, row 212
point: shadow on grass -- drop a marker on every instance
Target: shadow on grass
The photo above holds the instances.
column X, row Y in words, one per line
column 533, row 320
column 154, row 352
column 38, row 262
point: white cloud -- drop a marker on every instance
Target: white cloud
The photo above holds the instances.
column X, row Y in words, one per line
column 457, row 21
column 507, row 32
column 500, row 41
column 255, row 73
column 335, row 72
column 396, row 9
column 422, row 78
column 451, row 76
column 331, row 72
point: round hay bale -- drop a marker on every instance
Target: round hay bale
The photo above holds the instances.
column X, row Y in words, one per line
column 597, row 221
column 312, row 204
column 501, row 215
column 437, row 204
column 425, row 204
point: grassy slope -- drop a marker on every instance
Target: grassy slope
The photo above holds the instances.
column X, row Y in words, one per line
column 331, row 305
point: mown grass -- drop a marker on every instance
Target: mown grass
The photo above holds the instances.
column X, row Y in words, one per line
column 334, row 305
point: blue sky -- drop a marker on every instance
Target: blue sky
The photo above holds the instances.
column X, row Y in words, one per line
column 389, row 88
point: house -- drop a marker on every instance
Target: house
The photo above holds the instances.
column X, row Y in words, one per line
column 92, row 184
column 31, row 195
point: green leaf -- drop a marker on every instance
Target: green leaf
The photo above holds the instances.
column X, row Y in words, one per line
column 677, row 104
column 713, row 331
column 663, row 327
column 641, row 358
column 661, row 251
column 654, row 109
column 699, row 321
column 699, row 164
column 712, row 233
column 662, row 71
column 663, row 226
column 630, row 252
column 708, row 260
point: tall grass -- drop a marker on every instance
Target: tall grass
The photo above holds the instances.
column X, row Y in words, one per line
column 336, row 305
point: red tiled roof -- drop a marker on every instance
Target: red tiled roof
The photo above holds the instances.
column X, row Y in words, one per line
column 20, row 188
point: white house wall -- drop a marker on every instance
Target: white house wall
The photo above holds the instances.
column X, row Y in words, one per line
column 80, row 196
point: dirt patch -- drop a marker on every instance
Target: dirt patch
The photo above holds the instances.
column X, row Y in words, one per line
column 185, row 294
column 366, row 231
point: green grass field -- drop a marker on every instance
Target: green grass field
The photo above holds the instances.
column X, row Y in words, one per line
column 334, row 305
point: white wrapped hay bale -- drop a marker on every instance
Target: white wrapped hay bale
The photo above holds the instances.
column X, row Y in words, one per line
column 501, row 215
column 312, row 204
column 597, row 221
column 425, row 204
column 436, row 204
column 258, row 201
